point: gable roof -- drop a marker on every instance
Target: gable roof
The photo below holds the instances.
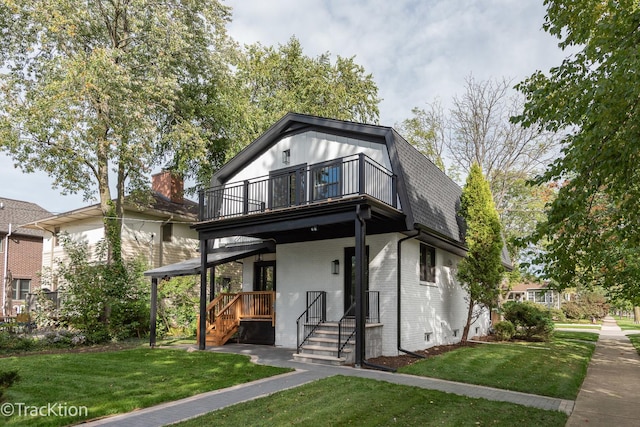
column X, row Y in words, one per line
column 160, row 206
column 428, row 197
column 18, row 213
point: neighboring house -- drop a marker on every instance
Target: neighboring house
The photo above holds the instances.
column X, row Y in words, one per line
column 20, row 253
column 349, row 234
column 159, row 232
column 537, row 292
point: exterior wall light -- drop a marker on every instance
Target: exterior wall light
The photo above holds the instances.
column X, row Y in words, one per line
column 286, row 157
column 335, row 267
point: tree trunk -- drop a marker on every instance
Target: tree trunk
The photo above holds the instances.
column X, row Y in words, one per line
column 636, row 314
column 467, row 326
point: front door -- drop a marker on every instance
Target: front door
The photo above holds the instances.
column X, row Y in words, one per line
column 264, row 276
column 350, row 276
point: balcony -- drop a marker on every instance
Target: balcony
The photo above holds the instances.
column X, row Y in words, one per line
column 301, row 185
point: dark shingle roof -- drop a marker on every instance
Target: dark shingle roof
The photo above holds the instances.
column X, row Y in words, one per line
column 433, row 196
column 18, row 212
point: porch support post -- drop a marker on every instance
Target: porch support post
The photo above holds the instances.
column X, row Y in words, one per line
column 203, row 295
column 154, row 312
column 362, row 213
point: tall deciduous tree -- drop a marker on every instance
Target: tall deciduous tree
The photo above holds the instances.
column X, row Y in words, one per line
column 594, row 98
column 477, row 129
column 480, row 273
column 90, row 88
column 426, row 131
column 273, row 82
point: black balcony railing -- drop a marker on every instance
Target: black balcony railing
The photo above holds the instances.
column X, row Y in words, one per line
column 335, row 179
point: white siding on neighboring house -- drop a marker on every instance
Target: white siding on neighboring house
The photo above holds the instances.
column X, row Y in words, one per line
column 141, row 237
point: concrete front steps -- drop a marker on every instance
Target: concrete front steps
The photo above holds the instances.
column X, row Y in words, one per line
column 322, row 347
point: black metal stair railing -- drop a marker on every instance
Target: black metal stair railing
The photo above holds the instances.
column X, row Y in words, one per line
column 314, row 315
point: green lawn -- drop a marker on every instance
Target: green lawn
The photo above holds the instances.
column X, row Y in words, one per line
column 581, row 336
column 635, row 340
column 339, row 401
column 121, row 381
column 626, row 324
column 556, row 368
column 577, row 326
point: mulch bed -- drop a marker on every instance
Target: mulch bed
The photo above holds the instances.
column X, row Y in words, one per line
column 407, row 359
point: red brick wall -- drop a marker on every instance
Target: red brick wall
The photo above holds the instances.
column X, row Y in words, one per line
column 24, row 259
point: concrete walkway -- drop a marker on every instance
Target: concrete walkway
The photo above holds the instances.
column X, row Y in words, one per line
column 610, row 392
column 175, row 411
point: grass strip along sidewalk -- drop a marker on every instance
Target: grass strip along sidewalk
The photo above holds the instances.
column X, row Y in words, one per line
column 109, row 383
column 556, row 368
column 341, row 400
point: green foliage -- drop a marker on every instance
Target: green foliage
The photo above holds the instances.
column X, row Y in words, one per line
column 480, row 273
column 272, row 82
column 11, row 343
column 179, row 300
column 104, row 301
column 592, row 98
column 425, row 131
column 7, row 379
column 90, row 88
column 504, row 330
column 588, row 305
column 532, row 321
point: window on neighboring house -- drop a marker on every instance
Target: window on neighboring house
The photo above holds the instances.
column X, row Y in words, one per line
column 2, row 244
column 56, row 236
column 427, row 263
column 21, row 287
column 326, row 181
column 167, row 232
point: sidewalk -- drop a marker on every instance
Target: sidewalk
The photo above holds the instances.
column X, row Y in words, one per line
column 609, row 393
column 172, row 412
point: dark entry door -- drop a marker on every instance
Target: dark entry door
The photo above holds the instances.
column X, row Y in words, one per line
column 350, row 276
column 264, row 276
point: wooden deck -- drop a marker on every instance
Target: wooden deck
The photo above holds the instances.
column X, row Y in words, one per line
column 227, row 310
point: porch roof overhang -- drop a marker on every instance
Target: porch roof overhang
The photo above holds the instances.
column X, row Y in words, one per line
column 218, row 256
column 328, row 220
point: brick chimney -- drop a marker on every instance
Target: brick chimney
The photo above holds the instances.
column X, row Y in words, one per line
column 169, row 185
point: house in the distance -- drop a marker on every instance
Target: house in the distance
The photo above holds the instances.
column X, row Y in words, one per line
column 537, row 292
column 20, row 253
column 158, row 231
column 351, row 242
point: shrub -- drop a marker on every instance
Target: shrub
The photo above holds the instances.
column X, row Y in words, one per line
column 63, row 339
column 504, row 330
column 531, row 320
column 7, row 378
column 104, row 301
column 16, row 343
column 573, row 310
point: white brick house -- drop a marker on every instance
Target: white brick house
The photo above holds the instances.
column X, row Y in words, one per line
column 355, row 231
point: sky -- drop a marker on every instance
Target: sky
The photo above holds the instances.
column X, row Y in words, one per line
column 418, row 51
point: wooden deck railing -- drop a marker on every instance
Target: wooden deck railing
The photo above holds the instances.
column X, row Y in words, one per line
column 226, row 311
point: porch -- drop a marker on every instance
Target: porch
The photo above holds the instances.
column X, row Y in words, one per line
column 226, row 313
column 302, row 185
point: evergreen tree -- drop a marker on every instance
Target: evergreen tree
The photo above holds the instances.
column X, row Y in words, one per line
column 480, row 273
